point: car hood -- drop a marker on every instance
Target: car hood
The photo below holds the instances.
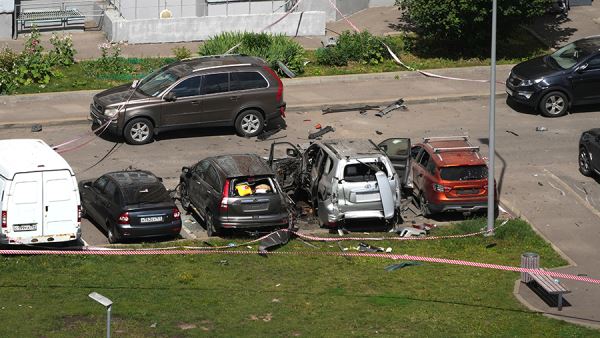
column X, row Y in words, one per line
column 594, row 132
column 535, row 68
column 118, row 94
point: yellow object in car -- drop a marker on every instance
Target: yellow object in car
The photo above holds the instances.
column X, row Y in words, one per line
column 243, row 189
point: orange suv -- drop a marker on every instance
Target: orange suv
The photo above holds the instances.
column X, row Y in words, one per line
column 449, row 174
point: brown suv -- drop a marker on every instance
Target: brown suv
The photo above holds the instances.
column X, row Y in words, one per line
column 228, row 90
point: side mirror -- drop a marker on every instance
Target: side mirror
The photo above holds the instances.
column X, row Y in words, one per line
column 581, row 68
column 186, row 171
column 160, row 179
column 135, row 83
column 290, row 152
column 87, row 185
column 384, row 148
column 170, row 97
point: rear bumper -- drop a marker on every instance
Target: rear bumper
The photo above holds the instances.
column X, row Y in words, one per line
column 149, row 230
column 14, row 240
column 457, row 207
column 247, row 222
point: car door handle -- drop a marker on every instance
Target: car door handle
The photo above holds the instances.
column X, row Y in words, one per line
column 234, row 98
column 195, row 103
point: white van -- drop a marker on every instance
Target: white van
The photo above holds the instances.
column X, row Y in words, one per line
column 39, row 198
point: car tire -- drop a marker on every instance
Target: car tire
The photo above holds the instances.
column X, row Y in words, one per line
column 585, row 165
column 139, row 131
column 113, row 235
column 249, row 123
column 184, row 197
column 554, row 104
column 209, row 223
column 423, row 206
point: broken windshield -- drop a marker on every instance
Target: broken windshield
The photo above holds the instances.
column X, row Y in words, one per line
column 363, row 172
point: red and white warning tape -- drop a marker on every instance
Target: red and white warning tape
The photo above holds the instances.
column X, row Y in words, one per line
column 305, row 253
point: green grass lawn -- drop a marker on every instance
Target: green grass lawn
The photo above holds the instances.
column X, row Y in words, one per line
column 281, row 295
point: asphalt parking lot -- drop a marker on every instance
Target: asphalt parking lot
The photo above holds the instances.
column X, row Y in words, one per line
column 535, row 170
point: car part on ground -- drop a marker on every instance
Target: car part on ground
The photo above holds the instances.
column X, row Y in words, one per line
column 227, row 90
column 394, row 106
column 345, row 180
column 361, row 108
column 267, row 134
column 554, row 83
column 235, row 192
column 589, row 153
column 320, row 133
column 130, row 204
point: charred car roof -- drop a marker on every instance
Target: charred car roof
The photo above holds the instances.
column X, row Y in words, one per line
column 241, row 165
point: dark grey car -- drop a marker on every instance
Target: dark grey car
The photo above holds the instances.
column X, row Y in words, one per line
column 230, row 90
column 234, row 191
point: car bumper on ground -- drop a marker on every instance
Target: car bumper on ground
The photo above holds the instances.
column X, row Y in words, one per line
column 149, row 230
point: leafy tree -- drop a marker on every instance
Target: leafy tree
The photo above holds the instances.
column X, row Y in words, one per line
column 467, row 21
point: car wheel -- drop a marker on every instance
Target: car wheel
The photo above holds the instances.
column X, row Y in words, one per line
column 113, row 235
column 554, row 104
column 211, row 230
column 423, row 206
column 585, row 167
column 139, row 131
column 249, row 123
column 184, row 197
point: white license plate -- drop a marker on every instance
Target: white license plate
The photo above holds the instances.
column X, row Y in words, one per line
column 25, row 227
column 151, row 219
column 509, row 92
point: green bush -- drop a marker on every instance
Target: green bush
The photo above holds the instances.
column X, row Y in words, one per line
column 271, row 48
column 33, row 66
column 8, row 70
column 331, row 56
column 361, row 47
column 63, row 53
column 182, row 52
column 110, row 62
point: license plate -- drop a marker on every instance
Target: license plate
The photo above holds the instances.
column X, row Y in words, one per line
column 25, row 227
column 468, row 191
column 256, row 207
column 509, row 92
column 151, row 219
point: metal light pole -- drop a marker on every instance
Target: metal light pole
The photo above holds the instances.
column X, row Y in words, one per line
column 492, row 128
column 108, row 304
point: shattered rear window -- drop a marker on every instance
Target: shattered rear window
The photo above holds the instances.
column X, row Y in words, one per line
column 251, row 186
column 362, row 172
column 464, row 173
column 149, row 193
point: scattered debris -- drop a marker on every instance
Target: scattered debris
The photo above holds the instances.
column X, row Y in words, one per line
column 153, row 324
column 396, row 105
column 342, row 231
column 318, row 126
column 342, row 249
column 557, row 188
column 320, row 133
column 394, row 267
column 286, row 70
column 362, row 109
column 409, row 231
column 512, row 132
column 276, row 239
column 223, row 262
column 275, row 300
column 378, row 132
column 541, row 128
column 329, row 41
column 540, row 184
column 491, row 245
column 365, row 247
column 306, row 120
column 265, row 135
column 36, row 128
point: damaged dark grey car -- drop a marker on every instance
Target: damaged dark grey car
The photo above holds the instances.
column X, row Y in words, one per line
column 346, row 179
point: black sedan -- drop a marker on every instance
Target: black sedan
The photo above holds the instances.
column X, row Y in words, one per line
column 553, row 83
column 589, row 152
column 130, row 204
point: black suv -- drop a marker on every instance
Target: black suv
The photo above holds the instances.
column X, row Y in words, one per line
column 589, row 152
column 235, row 191
column 229, row 90
column 130, row 204
column 553, row 83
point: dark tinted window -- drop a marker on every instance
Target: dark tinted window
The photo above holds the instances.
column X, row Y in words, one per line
column 464, row 173
column 215, row 83
column 414, row 152
column 247, row 80
column 424, row 159
column 110, row 189
column 212, row 178
column 145, row 193
column 101, row 183
column 359, row 172
column 594, row 63
column 189, row 87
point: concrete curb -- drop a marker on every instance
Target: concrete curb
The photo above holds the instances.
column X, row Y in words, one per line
column 291, row 108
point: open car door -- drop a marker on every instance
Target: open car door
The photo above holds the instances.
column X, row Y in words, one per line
column 286, row 161
column 398, row 151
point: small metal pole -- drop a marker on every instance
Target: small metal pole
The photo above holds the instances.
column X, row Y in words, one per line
column 227, row 8
column 108, row 310
column 492, row 130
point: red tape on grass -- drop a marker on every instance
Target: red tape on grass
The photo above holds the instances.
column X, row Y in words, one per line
column 304, row 253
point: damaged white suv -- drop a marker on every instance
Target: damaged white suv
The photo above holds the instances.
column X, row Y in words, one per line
column 346, row 179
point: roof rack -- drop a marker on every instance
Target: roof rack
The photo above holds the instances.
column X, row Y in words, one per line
column 211, row 56
column 441, row 150
column 446, row 138
column 222, row 66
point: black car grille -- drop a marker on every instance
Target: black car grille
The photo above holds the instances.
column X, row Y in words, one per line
column 98, row 107
column 514, row 80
